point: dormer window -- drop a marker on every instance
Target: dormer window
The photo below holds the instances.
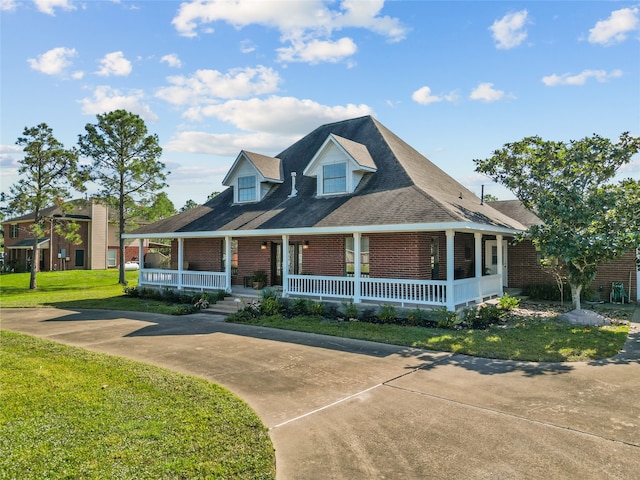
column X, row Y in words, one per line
column 252, row 176
column 334, row 178
column 247, row 189
column 339, row 165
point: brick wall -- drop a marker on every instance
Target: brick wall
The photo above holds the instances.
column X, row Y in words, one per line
column 525, row 270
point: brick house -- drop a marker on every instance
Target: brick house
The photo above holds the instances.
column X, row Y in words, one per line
column 349, row 212
column 98, row 249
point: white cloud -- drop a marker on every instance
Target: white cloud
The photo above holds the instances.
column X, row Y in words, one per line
column 509, row 31
column 172, row 60
column 307, row 26
column 247, row 46
column 106, row 99
column 54, row 61
column 206, row 86
column 423, row 96
column 581, row 78
column 114, row 63
column 316, row 51
column 48, row 6
column 486, row 93
column 8, row 5
column 281, row 115
column 616, row 27
column 228, row 144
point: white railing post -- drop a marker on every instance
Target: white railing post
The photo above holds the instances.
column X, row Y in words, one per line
column 478, row 259
column 450, row 294
column 227, row 266
column 357, row 268
column 500, row 266
column 285, row 265
column 180, row 261
column 140, row 259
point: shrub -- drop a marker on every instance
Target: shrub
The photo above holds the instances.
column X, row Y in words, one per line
column 507, row 302
column 301, row 306
column 271, row 305
column 387, row 314
column 316, row 308
column 482, row 316
column 547, row 291
column 331, row 311
column 368, row 315
column 444, row 318
column 417, row 318
column 350, row 310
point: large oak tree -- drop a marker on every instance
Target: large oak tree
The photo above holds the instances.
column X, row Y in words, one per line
column 126, row 165
column 587, row 217
column 48, row 173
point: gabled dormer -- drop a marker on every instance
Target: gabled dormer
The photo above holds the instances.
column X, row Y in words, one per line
column 252, row 176
column 339, row 165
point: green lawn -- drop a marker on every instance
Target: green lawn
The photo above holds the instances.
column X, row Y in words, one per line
column 70, row 413
column 76, row 289
column 539, row 340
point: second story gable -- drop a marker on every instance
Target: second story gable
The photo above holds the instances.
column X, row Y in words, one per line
column 252, row 176
column 339, row 165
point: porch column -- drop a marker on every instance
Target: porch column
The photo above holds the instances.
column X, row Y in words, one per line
column 357, row 267
column 451, row 301
column 478, row 259
column 285, row 265
column 180, row 261
column 140, row 259
column 500, row 265
column 227, row 266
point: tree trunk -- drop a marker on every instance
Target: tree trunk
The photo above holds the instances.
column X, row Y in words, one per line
column 575, row 295
column 34, row 266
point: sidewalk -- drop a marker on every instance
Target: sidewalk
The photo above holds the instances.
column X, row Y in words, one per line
column 346, row 409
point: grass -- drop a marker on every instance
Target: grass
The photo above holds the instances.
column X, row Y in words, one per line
column 76, row 289
column 539, row 340
column 70, row 413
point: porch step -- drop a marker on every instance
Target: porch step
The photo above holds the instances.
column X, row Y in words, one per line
column 225, row 307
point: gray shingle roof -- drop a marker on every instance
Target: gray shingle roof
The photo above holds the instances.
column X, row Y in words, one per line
column 406, row 188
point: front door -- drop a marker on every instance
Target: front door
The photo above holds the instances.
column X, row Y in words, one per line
column 295, row 261
column 491, row 260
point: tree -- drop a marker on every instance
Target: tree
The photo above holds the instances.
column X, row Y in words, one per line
column 490, row 198
column 189, row 205
column 587, row 219
column 158, row 208
column 125, row 165
column 48, row 173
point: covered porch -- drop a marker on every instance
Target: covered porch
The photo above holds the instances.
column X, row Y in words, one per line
column 330, row 271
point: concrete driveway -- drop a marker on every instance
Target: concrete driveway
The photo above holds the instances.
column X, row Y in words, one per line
column 345, row 409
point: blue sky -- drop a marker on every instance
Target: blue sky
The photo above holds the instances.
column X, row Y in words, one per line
column 456, row 80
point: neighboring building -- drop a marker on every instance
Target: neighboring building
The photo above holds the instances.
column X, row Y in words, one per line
column 99, row 247
column 349, row 212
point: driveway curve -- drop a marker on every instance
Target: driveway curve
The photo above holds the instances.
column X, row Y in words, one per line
column 349, row 409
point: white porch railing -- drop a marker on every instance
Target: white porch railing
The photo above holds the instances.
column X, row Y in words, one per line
column 185, row 279
column 403, row 291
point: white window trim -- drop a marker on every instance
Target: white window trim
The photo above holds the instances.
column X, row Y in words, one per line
column 255, row 189
column 347, row 179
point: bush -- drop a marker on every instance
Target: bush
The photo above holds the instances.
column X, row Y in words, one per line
column 482, row 316
column 271, row 305
column 547, row 291
column 387, row 314
column 445, row 319
column 507, row 302
column 316, row 308
column 417, row 318
column 350, row 310
column 301, row 306
column 368, row 315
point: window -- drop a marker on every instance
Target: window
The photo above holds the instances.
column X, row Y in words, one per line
column 349, row 256
column 247, row 189
column 79, row 258
column 13, row 231
column 334, row 178
column 234, row 257
column 112, row 262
